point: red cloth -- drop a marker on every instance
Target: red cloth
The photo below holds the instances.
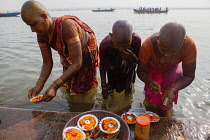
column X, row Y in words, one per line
column 120, row 72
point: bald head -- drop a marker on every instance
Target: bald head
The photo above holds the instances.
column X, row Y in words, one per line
column 172, row 32
column 122, row 29
column 32, row 9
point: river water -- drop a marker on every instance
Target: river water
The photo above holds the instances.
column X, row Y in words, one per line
column 20, row 64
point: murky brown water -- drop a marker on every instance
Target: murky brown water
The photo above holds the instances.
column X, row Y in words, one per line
column 20, row 64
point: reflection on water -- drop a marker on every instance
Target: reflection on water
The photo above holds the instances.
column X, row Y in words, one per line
column 117, row 102
column 20, row 64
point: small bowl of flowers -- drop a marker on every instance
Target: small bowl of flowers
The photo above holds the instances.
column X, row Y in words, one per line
column 129, row 117
column 152, row 116
column 73, row 133
column 109, row 127
column 89, row 124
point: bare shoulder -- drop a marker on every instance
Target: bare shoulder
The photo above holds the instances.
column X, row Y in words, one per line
column 69, row 23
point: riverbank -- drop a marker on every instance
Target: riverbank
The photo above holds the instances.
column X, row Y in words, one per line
column 25, row 124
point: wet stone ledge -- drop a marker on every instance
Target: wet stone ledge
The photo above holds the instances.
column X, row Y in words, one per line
column 22, row 124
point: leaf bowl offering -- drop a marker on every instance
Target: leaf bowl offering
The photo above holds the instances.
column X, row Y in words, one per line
column 36, row 98
column 152, row 116
column 129, row 117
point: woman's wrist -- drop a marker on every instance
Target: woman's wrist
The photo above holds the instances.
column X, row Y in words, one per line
column 148, row 81
column 104, row 85
column 173, row 89
column 134, row 60
column 40, row 83
column 57, row 83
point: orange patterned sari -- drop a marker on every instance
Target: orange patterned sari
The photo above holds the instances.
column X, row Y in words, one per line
column 85, row 78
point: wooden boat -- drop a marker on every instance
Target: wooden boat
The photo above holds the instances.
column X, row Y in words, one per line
column 9, row 14
column 103, row 10
column 149, row 12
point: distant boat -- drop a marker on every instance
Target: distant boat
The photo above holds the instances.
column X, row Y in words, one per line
column 103, row 10
column 9, row 14
column 141, row 11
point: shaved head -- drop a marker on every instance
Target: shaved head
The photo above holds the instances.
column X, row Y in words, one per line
column 122, row 29
column 172, row 32
column 32, row 9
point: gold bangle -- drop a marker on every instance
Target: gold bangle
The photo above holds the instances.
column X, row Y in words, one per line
column 54, row 86
column 58, row 83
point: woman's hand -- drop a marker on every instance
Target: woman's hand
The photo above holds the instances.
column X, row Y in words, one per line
column 154, row 87
column 34, row 91
column 49, row 94
column 129, row 56
column 170, row 95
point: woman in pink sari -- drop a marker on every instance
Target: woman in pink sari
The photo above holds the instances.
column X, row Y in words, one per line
column 167, row 64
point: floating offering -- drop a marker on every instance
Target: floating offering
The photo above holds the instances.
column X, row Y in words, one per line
column 109, row 127
column 36, row 98
column 180, row 138
column 152, row 116
column 73, row 133
column 89, row 124
column 130, row 118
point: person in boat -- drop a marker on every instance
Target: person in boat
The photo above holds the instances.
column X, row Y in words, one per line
column 74, row 41
column 118, row 58
column 167, row 64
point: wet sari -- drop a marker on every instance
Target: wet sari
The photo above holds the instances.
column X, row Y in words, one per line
column 165, row 74
column 120, row 73
column 85, row 78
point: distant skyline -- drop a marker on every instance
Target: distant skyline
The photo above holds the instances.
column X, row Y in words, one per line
column 15, row 5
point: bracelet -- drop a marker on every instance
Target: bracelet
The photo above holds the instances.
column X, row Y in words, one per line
column 54, row 86
column 57, row 83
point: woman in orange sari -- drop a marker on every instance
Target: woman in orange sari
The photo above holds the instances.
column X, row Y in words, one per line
column 74, row 41
column 167, row 64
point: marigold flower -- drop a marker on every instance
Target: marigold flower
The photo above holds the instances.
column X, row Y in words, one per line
column 87, row 122
column 109, row 125
column 73, row 134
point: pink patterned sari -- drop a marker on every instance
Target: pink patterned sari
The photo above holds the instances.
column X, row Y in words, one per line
column 166, row 75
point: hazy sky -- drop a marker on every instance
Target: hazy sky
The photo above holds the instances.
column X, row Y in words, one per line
column 9, row 5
